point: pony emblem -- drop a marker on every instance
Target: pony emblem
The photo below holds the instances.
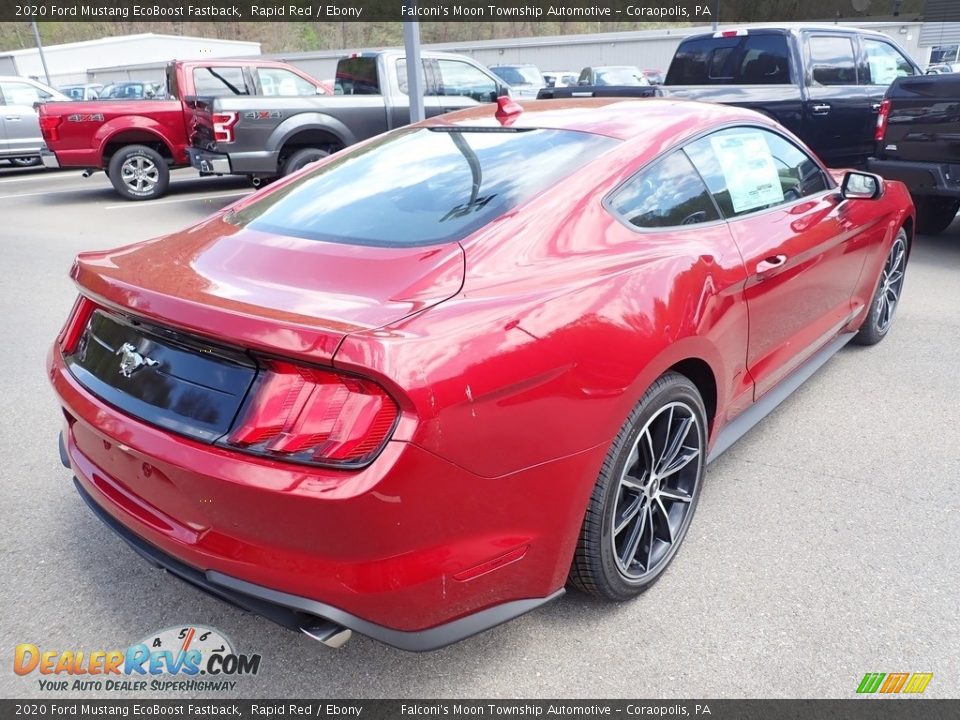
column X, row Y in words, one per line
column 131, row 360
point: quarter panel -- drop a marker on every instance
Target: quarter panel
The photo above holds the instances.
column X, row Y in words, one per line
column 558, row 331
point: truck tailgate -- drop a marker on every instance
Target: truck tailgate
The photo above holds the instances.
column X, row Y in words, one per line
column 923, row 124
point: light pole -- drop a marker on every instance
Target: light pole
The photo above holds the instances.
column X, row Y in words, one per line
column 43, row 60
column 411, row 43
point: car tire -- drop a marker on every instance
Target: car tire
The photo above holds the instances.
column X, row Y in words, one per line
column 302, row 158
column 138, row 172
column 24, row 162
column 886, row 297
column 935, row 214
column 640, row 508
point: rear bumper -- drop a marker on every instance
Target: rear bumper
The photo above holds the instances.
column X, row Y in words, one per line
column 208, row 162
column 292, row 611
column 260, row 162
column 920, row 178
column 49, row 159
column 412, row 550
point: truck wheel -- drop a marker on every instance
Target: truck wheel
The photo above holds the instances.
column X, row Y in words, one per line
column 25, row 161
column 302, row 158
column 139, row 173
column 934, row 214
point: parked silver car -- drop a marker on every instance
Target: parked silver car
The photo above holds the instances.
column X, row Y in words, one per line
column 20, row 139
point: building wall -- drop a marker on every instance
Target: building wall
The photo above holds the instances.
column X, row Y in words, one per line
column 70, row 62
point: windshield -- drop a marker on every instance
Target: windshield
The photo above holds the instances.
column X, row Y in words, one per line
column 520, row 75
column 423, row 186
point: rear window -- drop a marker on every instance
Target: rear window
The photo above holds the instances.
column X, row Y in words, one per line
column 357, row 76
column 752, row 59
column 422, row 186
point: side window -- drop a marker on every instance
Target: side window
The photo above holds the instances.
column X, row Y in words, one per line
column 219, row 81
column 764, row 60
column 885, row 63
column 21, row 93
column 832, row 60
column 277, row 82
column 431, row 76
column 460, row 78
column 667, row 194
column 750, row 169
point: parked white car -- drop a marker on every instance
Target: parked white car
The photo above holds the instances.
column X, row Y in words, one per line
column 20, row 139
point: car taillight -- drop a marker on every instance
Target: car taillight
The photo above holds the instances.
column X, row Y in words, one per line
column 76, row 324
column 882, row 117
column 314, row 416
column 50, row 127
column 223, row 126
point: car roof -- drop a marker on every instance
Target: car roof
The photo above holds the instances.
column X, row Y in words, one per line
column 613, row 117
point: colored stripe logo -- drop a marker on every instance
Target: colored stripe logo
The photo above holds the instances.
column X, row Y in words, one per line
column 893, row 683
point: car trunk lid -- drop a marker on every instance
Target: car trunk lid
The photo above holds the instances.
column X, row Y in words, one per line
column 269, row 293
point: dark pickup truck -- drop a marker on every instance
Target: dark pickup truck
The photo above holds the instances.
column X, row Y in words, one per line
column 823, row 82
column 269, row 137
column 918, row 143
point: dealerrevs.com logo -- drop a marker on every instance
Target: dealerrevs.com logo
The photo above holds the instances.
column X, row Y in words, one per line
column 178, row 659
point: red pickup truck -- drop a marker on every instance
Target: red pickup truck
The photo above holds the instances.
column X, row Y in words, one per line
column 138, row 142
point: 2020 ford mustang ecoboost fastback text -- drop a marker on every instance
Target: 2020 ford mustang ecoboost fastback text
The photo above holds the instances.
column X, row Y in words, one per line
column 422, row 385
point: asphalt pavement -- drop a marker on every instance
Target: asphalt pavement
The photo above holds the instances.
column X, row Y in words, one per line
column 825, row 545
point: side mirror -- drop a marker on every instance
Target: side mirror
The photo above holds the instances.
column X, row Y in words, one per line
column 861, row 186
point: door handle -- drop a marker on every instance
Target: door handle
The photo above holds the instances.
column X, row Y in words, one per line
column 12, row 117
column 875, row 107
column 820, row 108
column 768, row 265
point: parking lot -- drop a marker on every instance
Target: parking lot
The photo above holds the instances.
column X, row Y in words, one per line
column 824, row 547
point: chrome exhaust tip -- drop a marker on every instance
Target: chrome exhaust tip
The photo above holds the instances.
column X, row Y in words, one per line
column 326, row 632
column 256, row 183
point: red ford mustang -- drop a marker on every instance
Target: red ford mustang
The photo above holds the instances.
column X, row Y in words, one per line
column 421, row 386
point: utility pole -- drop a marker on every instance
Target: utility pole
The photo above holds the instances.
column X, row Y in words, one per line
column 43, row 60
column 716, row 15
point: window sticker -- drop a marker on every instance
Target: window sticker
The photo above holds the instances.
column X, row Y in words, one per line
column 748, row 169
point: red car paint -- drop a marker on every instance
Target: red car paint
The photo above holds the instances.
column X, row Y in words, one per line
column 88, row 131
column 514, row 357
